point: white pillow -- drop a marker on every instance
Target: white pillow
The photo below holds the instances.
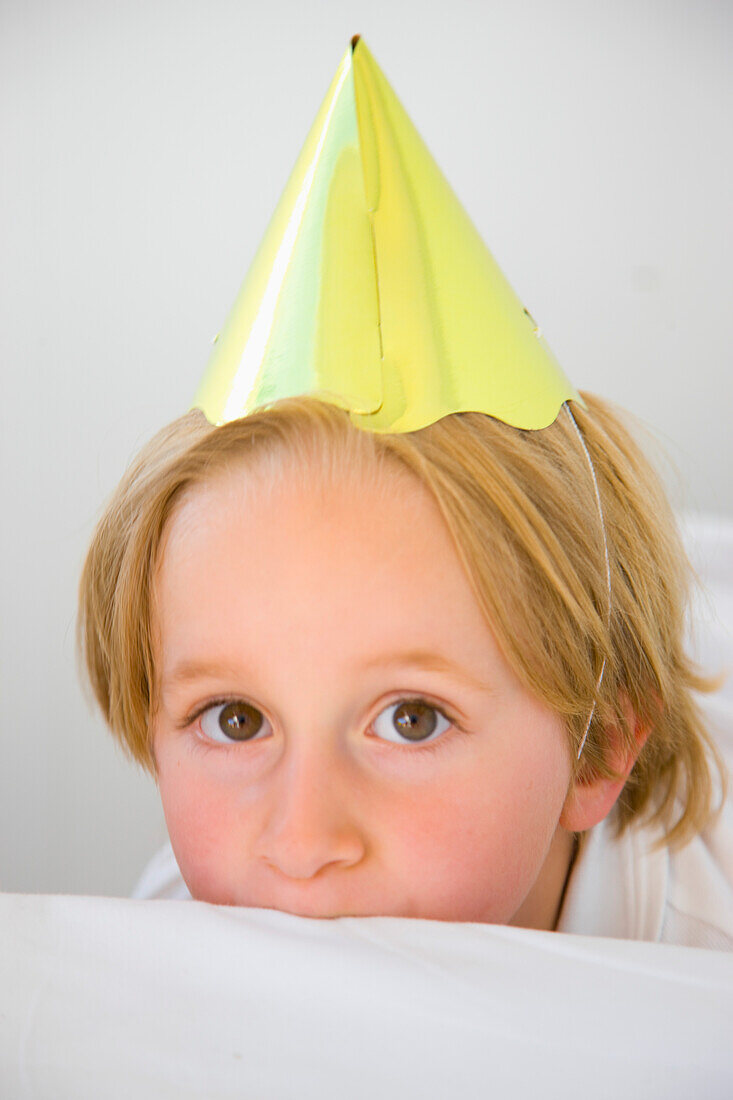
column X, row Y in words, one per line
column 115, row 999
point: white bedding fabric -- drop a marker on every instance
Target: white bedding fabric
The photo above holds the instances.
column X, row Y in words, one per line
column 118, row 999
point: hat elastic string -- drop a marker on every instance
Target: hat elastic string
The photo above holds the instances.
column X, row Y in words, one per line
column 566, row 406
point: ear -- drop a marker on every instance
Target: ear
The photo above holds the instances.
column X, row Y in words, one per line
column 590, row 800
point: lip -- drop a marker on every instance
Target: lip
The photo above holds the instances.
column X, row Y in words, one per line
column 314, row 911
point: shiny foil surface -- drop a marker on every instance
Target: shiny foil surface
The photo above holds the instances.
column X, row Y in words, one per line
column 372, row 289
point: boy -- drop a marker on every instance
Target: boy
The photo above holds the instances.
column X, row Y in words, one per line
column 397, row 624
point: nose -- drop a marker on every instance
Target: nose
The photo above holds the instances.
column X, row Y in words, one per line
column 308, row 823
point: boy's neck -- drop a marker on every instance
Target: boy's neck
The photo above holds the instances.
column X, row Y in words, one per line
column 541, row 908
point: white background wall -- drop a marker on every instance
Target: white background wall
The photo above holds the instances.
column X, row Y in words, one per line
column 144, row 145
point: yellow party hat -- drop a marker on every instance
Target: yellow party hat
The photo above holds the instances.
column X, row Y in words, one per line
column 373, row 290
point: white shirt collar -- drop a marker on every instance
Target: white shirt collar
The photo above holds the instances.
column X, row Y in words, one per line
column 618, row 886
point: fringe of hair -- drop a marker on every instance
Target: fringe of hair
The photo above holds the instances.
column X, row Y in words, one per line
column 521, row 509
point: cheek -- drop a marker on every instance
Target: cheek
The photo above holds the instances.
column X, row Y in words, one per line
column 472, row 848
column 201, row 826
column 462, row 857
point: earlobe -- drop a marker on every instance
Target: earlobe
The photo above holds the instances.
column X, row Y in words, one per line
column 589, row 801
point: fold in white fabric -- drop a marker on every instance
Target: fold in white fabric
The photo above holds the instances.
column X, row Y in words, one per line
column 117, row 998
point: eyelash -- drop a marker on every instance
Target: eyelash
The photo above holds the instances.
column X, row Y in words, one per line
column 413, row 750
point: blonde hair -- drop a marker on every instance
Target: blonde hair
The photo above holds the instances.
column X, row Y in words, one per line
column 522, row 511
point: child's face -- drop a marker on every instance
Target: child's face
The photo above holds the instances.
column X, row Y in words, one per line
column 294, row 627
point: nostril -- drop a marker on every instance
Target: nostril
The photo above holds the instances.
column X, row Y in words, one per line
column 304, row 862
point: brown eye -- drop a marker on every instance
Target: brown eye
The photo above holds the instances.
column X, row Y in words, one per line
column 415, row 721
column 237, row 721
column 410, row 720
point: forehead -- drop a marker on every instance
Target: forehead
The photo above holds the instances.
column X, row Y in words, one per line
column 349, row 562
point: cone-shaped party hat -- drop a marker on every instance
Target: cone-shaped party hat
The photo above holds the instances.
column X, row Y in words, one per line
column 373, row 290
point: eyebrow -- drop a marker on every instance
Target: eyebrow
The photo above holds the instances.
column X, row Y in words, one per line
column 189, row 671
column 430, row 662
